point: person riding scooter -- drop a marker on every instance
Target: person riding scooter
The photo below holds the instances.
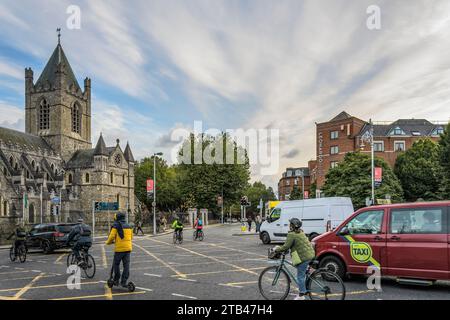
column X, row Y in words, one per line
column 121, row 235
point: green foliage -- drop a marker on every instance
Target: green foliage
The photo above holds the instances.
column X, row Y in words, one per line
column 296, row 194
column 256, row 192
column 419, row 171
column 444, row 158
column 352, row 178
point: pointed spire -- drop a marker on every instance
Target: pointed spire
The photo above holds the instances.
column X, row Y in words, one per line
column 100, row 149
column 128, row 154
column 58, row 60
column 59, row 35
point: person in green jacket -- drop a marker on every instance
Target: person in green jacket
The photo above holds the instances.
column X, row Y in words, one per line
column 297, row 241
column 177, row 225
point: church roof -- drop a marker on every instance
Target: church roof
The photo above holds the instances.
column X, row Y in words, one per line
column 24, row 140
column 128, row 154
column 49, row 74
column 341, row 116
column 85, row 158
column 100, row 149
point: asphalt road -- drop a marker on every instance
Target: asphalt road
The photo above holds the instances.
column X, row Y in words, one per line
column 224, row 266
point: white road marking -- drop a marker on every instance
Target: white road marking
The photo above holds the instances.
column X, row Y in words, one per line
column 190, row 280
column 35, row 270
column 145, row 289
column 183, row 296
column 153, row 275
column 17, row 268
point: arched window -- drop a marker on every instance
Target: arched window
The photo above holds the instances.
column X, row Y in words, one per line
column 5, row 208
column 123, row 179
column 11, row 161
column 44, row 115
column 111, row 177
column 76, row 118
column 33, row 164
column 87, row 178
column 52, row 167
column 70, row 178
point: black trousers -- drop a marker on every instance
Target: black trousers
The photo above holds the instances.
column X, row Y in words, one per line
column 123, row 257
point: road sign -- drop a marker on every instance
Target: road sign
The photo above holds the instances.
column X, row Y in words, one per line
column 106, row 206
column 56, row 200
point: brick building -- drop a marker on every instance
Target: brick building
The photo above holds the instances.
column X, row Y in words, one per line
column 343, row 134
column 292, row 178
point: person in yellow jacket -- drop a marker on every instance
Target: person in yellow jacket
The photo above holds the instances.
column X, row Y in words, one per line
column 121, row 235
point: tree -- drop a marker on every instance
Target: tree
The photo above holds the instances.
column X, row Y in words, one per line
column 352, row 178
column 419, row 171
column 257, row 191
column 168, row 197
column 296, row 194
column 201, row 180
column 444, row 153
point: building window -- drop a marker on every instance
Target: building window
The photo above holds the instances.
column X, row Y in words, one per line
column 334, row 135
column 123, row 179
column 397, row 131
column 70, row 178
column 76, row 118
column 111, row 177
column 333, row 164
column 378, row 146
column 438, row 131
column 399, row 146
column 11, row 161
column 289, row 173
column 87, row 178
column 334, row 150
column 288, row 182
column 5, row 208
column 44, row 115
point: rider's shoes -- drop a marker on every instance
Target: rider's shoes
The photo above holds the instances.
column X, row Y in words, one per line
column 300, row 297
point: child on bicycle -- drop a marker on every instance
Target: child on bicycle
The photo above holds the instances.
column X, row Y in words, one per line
column 198, row 225
column 178, row 226
column 299, row 244
column 19, row 235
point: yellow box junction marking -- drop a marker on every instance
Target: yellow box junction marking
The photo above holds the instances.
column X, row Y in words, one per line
column 178, row 273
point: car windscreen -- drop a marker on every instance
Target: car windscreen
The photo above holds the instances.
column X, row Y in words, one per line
column 65, row 228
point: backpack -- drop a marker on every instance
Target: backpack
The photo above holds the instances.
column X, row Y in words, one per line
column 85, row 231
column 200, row 222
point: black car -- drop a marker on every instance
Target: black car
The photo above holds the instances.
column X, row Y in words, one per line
column 48, row 236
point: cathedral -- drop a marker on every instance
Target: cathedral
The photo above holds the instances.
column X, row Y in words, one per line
column 50, row 172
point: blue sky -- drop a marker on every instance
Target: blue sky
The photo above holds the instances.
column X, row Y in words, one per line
column 160, row 65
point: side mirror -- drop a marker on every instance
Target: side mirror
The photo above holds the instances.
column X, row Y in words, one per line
column 344, row 231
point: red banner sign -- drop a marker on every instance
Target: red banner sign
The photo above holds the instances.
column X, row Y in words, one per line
column 150, row 185
column 306, row 195
column 378, row 174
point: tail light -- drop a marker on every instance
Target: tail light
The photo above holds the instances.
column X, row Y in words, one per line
column 328, row 225
column 58, row 234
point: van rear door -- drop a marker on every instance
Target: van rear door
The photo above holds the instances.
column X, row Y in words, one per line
column 417, row 243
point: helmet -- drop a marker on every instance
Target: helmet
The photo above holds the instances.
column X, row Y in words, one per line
column 120, row 216
column 80, row 220
column 296, row 223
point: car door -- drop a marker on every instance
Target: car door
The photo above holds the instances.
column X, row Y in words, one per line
column 448, row 240
column 31, row 237
column 363, row 241
column 417, row 243
column 274, row 224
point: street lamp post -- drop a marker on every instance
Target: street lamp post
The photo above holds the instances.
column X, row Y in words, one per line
column 368, row 136
column 154, row 190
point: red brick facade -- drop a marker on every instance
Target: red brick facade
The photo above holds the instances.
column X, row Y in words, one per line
column 291, row 178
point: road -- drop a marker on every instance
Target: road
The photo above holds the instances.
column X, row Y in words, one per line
column 225, row 266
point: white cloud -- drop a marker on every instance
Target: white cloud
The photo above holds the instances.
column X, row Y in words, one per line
column 11, row 116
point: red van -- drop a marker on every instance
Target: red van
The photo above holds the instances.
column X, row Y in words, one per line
column 406, row 241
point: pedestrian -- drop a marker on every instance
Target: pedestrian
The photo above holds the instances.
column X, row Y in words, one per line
column 139, row 227
column 258, row 222
column 164, row 222
column 249, row 221
column 121, row 235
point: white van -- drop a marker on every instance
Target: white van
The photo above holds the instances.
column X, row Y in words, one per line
column 318, row 216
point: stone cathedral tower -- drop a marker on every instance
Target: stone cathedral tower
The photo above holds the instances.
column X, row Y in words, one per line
column 56, row 108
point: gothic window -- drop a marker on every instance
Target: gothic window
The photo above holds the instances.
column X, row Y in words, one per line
column 70, row 178
column 123, row 179
column 76, row 118
column 87, row 178
column 111, row 178
column 5, row 208
column 11, row 161
column 33, row 164
column 44, row 115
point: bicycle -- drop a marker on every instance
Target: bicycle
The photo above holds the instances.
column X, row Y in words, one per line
column 20, row 252
column 321, row 284
column 178, row 237
column 198, row 234
column 87, row 262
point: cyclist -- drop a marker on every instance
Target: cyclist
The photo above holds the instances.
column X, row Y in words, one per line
column 19, row 235
column 177, row 225
column 81, row 234
column 198, row 225
column 297, row 241
column 122, row 236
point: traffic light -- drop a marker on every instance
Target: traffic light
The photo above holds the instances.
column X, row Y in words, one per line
column 244, row 201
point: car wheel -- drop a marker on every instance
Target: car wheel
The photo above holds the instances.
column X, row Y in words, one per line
column 265, row 238
column 333, row 264
column 46, row 247
column 312, row 236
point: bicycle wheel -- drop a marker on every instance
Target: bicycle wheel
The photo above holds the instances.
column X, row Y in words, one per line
column 274, row 283
column 180, row 238
column 194, row 235
column 175, row 238
column 71, row 259
column 201, row 236
column 22, row 252
column 12, row 254
column 89, row 266
column 325, row 285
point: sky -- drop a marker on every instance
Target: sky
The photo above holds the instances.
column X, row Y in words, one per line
column 157, row 66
